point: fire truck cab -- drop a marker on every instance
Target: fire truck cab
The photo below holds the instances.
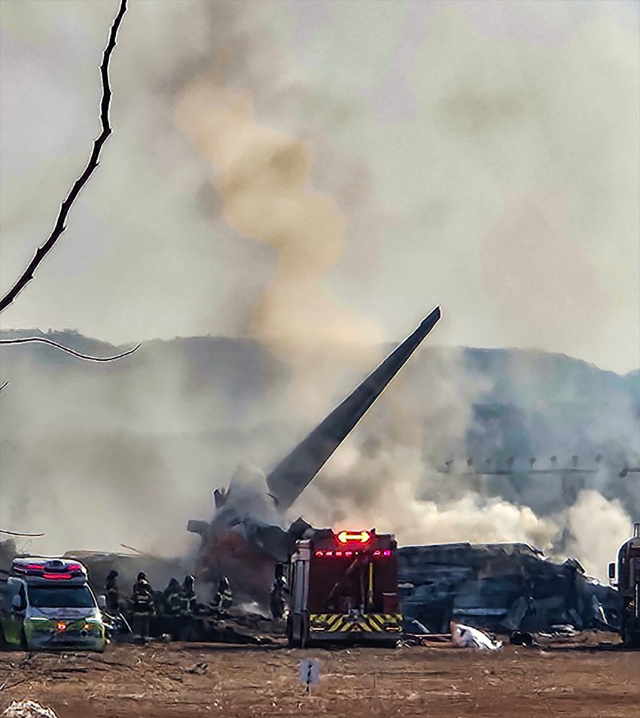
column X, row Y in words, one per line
column 47, row 604
column 344, row 588
column 628, row 584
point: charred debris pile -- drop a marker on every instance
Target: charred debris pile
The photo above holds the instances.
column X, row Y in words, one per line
column 502, row 588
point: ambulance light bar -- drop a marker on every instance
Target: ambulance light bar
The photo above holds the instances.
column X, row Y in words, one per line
column 55, row 569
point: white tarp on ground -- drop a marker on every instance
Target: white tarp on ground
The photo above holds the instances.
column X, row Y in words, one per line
column 468, row 637
column 28, row 709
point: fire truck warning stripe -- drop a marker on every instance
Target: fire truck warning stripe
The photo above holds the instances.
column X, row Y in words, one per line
column 345, row 623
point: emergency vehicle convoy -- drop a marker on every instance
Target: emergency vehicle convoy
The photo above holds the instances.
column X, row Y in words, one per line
column 344, row 588
column 47, row 604
column 628, row 584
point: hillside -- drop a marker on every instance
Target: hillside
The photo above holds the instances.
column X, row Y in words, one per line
column 142, row 441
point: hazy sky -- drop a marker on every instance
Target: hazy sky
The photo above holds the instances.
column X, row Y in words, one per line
column 483, row 156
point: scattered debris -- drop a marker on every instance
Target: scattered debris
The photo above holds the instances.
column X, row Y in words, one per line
column 415, row 628
column 564, row 631
column 501, row 588
column 469, row 637
column 28, row 709
column 522, row 638
column 427, row 640
column 199, row 669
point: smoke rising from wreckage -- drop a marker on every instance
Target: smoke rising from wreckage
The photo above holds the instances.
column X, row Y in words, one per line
column 246, row 535
column 245, row 538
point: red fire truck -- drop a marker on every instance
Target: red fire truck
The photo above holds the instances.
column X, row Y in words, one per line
column 344, row 588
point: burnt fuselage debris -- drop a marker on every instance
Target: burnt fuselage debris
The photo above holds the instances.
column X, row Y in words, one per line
column 502, row 588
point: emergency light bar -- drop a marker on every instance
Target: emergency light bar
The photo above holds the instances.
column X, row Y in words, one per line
column 55, row 569
column 354, row 537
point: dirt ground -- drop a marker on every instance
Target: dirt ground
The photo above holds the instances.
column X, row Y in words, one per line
column 581, row 680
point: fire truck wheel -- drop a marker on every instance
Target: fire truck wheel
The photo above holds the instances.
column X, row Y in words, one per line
column 290, row 639
column 304, row 632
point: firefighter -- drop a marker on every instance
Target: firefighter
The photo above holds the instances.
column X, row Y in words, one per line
column 112, row 593
column 142, row 605
column 223, row 598
column 172, row 599
column 279, row 593
column 189, row 593
column 175, row 609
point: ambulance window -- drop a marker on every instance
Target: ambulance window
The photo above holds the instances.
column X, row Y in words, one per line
column 23, row 597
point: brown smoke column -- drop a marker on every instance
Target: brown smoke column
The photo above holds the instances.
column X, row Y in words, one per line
column 263, row 178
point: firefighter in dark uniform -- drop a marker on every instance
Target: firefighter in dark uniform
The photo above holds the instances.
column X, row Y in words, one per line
column 223, row 598
column 279, row 593
column 112, row 594
column 175, row 608
column 142, row 605
column 189, row 593
column 172, row 598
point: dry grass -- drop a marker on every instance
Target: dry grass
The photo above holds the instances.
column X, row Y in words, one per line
column 159, row 681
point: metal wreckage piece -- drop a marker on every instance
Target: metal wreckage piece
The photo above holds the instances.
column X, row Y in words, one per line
column 245, row 539
column 501, row 587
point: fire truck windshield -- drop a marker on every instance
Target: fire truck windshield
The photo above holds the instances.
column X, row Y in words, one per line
column 60, row 597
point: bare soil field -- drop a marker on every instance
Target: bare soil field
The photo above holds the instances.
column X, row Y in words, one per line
column 580, row 680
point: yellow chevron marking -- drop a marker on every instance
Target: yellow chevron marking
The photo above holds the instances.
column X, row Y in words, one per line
column 376, row 622
column 347, row 623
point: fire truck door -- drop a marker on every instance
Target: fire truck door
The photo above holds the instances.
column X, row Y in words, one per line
column 300, row 585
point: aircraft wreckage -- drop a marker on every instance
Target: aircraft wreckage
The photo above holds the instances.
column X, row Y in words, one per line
column 245, row 539
column 502, row 587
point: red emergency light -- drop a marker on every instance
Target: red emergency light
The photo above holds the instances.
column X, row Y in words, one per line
column 26, row 568
column 57, row 576
column 354, row 537
column 55, row 569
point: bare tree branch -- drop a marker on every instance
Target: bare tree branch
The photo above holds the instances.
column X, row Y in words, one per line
column 20, row 533
column 79, row 355
column 94, row 161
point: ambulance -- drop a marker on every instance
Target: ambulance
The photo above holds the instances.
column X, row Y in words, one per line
column 47, row 604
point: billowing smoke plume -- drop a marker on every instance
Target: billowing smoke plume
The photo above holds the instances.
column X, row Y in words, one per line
column 393, row 471
column 264, row 181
